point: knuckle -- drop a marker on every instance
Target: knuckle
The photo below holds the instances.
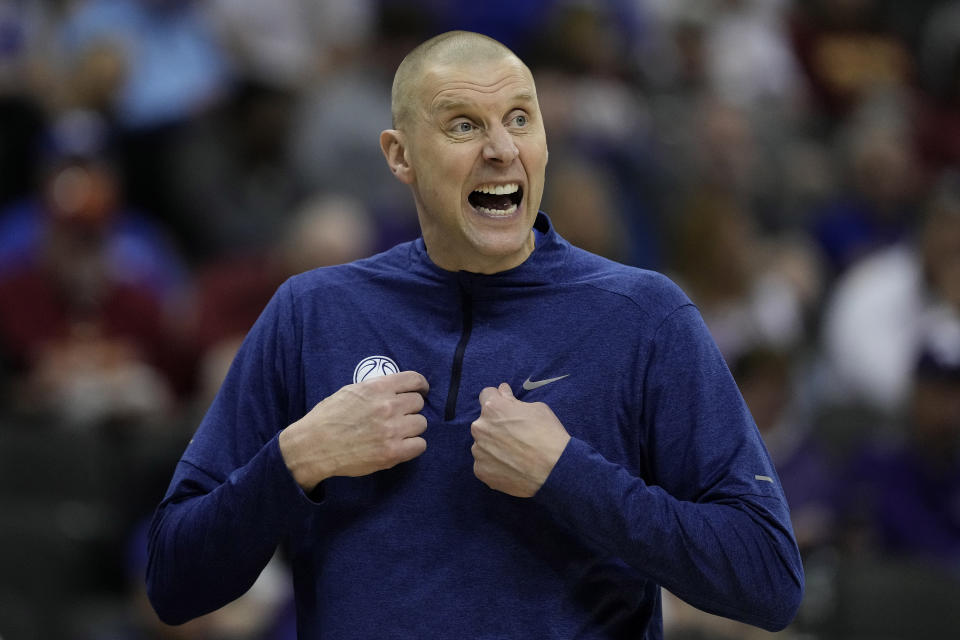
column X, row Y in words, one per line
column 375, row 387
column 382, row 408
column 389, row 453
column 396, row 428
column 377, row 382
column 388, row 431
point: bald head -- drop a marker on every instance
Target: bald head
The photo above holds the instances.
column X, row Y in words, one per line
column 467, row 122
column 451, row 48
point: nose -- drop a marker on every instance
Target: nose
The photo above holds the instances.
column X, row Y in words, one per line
column 500, row 147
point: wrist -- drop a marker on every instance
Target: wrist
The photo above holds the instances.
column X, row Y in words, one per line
column 306, row 472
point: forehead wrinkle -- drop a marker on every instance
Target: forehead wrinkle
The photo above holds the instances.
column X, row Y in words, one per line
column 477, row 85
column 453, row 104
column 442, row 101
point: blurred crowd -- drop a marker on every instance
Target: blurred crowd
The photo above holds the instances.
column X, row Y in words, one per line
column 793, row 164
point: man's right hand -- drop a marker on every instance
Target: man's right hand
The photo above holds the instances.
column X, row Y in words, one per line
column 362, row 428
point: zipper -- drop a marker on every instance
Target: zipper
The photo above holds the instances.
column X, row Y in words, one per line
column 456, row 372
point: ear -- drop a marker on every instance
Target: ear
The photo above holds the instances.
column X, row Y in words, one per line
column 395, row 151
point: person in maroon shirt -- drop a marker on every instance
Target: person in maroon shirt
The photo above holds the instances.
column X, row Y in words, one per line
column 81, row 343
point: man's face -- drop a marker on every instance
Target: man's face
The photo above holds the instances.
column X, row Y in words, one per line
column 477, row 152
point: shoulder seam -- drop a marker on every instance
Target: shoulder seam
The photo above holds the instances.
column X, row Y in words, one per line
column 638, row 305
column 674, row 311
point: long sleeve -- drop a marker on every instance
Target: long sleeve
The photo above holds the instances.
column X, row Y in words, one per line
column 709, row 521
column 232, row 499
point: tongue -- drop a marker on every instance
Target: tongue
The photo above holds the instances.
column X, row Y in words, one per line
column 490, row 201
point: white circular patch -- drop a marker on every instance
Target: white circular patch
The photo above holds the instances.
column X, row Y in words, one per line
column 374, row 367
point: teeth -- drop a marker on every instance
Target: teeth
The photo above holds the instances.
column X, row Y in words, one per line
column 498, row 213
column 499, row 189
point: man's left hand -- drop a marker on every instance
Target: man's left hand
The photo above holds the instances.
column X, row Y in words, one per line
column 516, row 444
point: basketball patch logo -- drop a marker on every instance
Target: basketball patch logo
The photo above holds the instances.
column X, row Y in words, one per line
column 374, row 367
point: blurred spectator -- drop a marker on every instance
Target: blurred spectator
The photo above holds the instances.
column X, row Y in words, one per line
column 906, row 494
column 723, row 152
column 739, row 50
column 292, row 43
column 938, row 116
column 753, row 156
column 749, row 58
column 171, row 64
column 875, row 323
column 848, row 50
column 673, row 61
column 750, row 291
column 233, row 181
column 583, row 207
column 152, row 67
column 138, row 251
column 721, row 100
column 807, row 180
column 26, row 53
column 878, row 199
column 83, row 287
column 584, row 39
column 231, row 292
column 310, row 75
column 338, row 121
column 596, row 116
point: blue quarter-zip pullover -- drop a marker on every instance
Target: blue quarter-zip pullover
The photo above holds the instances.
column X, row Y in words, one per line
column 665, row 481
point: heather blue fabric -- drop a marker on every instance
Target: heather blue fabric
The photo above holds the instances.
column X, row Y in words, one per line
column 659, row 485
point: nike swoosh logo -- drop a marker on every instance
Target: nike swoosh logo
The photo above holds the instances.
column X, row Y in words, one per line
column 530, row 385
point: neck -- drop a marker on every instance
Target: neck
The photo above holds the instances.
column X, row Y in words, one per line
column 478, row 263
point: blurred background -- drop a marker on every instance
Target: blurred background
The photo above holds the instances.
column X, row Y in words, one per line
column 794, row 165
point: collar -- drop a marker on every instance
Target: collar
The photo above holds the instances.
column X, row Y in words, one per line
column 540, row 268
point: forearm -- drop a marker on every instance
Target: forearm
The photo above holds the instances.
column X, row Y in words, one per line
column 731, row 557
column 210, row 539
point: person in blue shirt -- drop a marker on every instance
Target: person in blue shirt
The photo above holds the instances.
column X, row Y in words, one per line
column 482, row 433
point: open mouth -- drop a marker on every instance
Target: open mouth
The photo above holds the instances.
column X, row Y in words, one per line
column 498, row 200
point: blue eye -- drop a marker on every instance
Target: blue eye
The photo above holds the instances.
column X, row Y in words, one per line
column 463, row 127
column 520, row 120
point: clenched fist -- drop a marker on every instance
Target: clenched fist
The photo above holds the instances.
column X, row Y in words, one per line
column 362, row 428
column 516, row 444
